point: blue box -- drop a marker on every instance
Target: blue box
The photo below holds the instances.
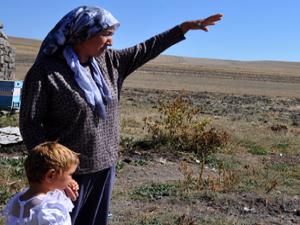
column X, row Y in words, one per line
column 10, row 94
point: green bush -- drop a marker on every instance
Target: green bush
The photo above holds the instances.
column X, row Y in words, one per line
column 257, row 150
column 14, row 165
column 180, row 128
column 153, row 191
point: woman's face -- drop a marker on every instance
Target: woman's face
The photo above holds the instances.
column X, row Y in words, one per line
column 97, row 44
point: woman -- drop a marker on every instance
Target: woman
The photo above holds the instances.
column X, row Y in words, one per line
column 71, row 94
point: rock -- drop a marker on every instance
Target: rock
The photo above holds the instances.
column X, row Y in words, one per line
column 127, row 160
column 295, row 119
column 248, row 210
column 7, row 57
column 162, row 160
column 10, row 135
column 279, row 128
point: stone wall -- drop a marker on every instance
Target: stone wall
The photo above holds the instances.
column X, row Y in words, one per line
column 7, row 58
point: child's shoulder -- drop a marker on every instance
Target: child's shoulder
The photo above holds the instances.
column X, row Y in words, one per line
column 55, row 206
column 55, row 200
column 57, row 197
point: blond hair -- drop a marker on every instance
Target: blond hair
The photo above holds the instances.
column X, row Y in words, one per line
column 46, row 156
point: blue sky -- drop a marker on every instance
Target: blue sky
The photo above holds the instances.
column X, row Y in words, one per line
column 250, row 29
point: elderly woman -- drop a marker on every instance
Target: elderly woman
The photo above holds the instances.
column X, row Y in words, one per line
column 72, row 91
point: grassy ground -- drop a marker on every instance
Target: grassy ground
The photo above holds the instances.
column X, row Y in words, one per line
column 255, row 180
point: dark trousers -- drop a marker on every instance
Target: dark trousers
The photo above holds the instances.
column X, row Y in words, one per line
column 92, row 205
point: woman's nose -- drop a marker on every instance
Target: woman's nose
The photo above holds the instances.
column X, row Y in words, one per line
column 109, row 41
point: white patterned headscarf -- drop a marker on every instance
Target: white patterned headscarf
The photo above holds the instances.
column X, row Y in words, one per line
column 77, row 26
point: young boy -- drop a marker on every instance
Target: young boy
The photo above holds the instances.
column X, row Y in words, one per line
column 49, row 168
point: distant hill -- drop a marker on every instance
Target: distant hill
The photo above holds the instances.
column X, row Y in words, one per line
column 26, row 50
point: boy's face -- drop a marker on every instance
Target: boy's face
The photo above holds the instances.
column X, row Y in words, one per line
column 62, row 179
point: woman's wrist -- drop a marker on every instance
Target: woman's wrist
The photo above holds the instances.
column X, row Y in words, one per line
column 184, row 27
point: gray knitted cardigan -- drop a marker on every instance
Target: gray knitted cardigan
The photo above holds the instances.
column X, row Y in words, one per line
column 54, row 107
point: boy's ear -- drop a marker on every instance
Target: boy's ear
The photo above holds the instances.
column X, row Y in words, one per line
column 50, row 175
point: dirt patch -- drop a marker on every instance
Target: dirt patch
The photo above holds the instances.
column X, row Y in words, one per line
column 291, row 160
column 250, row 208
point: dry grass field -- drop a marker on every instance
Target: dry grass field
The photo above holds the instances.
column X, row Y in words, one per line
column 254, row 180
column 177, row 73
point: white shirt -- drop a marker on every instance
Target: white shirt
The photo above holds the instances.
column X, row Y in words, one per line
column 49, row 209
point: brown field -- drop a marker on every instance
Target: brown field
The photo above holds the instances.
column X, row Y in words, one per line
column 257, row 103
column 268, row 78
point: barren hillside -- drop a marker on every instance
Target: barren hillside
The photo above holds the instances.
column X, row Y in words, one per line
column 273, row 78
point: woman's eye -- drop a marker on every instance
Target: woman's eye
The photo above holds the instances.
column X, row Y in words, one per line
column 108, row 33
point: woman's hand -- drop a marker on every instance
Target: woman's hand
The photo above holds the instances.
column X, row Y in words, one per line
column 72, row 190
column 200, row 24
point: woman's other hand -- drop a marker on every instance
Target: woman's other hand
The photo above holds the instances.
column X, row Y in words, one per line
column 200, row 24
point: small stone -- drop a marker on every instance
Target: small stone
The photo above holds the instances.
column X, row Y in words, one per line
column 127, row 160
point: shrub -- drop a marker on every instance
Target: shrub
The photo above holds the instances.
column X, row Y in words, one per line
column 180, row 128
column 154, row 191
column 257, row 150
column 176, row 120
